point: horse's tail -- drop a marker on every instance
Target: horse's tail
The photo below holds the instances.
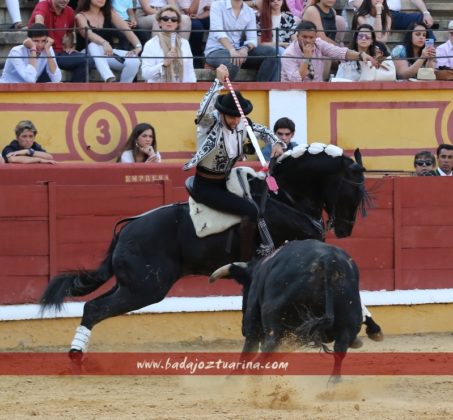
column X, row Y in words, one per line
column 77, row 283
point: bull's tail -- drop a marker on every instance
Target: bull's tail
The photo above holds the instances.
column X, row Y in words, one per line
column 313, row 331
column 77, row 283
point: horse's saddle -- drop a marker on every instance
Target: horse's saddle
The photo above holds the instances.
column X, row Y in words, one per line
column 208, row 221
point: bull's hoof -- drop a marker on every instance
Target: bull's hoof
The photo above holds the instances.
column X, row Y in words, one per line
column 373, row 330
column 334, row 380
column 356, row 344
column 76, row 356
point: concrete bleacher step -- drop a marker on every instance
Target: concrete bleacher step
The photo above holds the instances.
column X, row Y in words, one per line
column 208, row 75
column 9, row 39
column 203, row 75
column 407, row 5
column 441, row 10
column 26, row 7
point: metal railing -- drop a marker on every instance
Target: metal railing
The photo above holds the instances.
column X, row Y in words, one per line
column 116, row 32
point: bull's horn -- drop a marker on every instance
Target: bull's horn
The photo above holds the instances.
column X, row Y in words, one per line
column 219, row 273
column 224, row 271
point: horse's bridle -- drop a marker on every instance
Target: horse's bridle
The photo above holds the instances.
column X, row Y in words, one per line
column 330, row 224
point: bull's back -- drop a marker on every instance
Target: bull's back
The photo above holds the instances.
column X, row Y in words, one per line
column 299, row 272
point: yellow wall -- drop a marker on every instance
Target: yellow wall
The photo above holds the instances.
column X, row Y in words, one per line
column 393, row 123
column 93, row 125
column 156, row 328
column 389, row 125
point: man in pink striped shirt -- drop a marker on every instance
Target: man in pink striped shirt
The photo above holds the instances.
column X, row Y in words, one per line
column 303, row 60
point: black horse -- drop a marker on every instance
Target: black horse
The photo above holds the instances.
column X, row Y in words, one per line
column 151, row 252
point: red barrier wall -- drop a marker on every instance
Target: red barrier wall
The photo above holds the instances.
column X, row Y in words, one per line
column 55, row 218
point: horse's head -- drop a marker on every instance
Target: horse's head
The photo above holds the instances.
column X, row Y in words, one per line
column 313, row 182
column 351, row 196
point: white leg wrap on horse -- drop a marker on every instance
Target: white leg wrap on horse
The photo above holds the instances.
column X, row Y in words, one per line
column 81, row 339
column 365, row 313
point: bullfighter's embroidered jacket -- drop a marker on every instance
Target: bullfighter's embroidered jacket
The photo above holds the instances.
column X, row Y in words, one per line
column 211, row 155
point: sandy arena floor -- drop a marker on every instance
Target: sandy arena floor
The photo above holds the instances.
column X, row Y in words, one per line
column 183, row 397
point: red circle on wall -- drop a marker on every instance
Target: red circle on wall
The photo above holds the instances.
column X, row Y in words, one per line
column 450, row 127
column 104, row 134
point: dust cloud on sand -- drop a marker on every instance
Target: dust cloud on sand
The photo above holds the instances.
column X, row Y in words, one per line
column 234, row 397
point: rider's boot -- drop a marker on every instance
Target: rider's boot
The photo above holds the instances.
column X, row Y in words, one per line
column 247, row 229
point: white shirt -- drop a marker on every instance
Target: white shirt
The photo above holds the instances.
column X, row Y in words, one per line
column 158, row 4
column 444, row 55
column 128, row 157
column 203, row 4
column 18, row 70
column 394, row 5
column 223, row 19
column 185, row 4
column 231, row 140
column 442, row 173
column 275, row 24
column 153, row 58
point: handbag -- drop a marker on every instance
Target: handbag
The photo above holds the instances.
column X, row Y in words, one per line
column 386, row 73
column 426, row 74
column 444, row 74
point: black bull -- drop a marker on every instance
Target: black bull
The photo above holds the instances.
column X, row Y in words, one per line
column 307, row 290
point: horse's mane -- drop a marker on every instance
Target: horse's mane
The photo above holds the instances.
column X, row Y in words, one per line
column 366, row 200
column 319, row 160
column 318, row 163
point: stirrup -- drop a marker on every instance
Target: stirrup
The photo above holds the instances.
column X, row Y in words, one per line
column 265, row 235
column 265, row 250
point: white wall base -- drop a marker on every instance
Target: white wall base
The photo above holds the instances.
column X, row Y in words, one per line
column 225, row 303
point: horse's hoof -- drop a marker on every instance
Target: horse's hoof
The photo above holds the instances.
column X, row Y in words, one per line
column 376, row 336
column 373, row 330
column 356, row 344
column 75, row 355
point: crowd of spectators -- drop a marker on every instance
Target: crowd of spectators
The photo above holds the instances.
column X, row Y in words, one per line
column 168, row 40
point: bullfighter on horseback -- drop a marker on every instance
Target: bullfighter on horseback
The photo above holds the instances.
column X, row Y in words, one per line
column 220, row 137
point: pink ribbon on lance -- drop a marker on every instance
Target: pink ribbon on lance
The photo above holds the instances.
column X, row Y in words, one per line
column 270, row 180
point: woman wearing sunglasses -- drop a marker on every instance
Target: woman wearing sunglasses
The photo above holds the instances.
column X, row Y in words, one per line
column 147, row 22
column 167, row 56
column 364, row 41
